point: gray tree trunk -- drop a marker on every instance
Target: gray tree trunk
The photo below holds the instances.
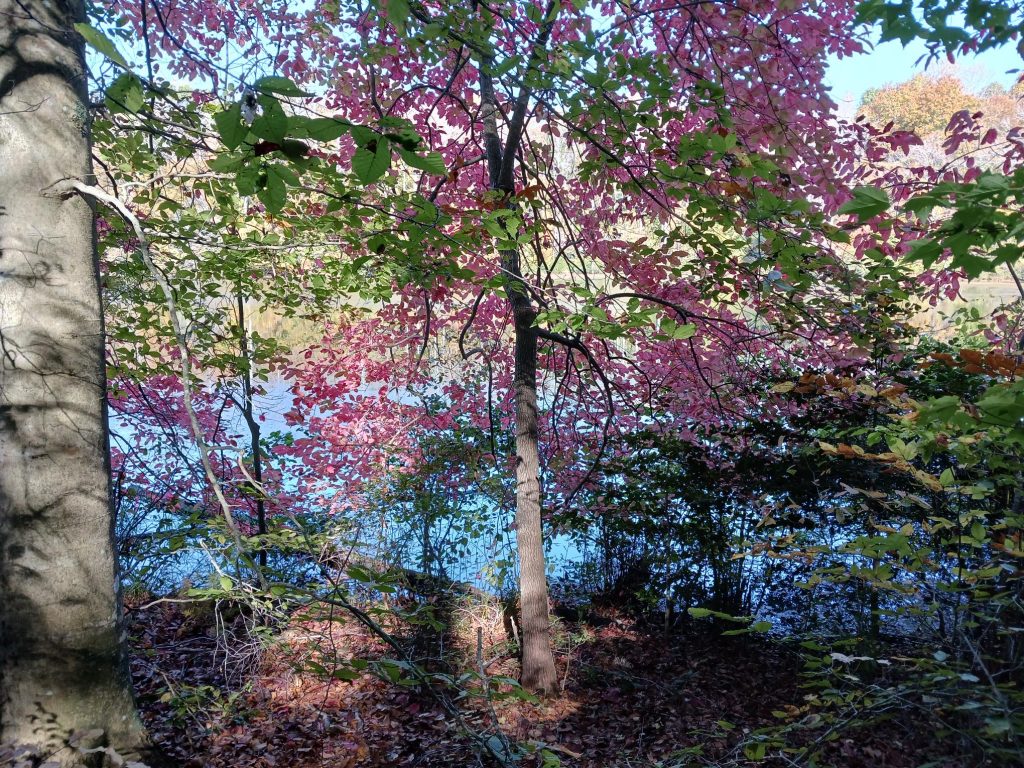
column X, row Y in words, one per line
column 62, row 660
column 538, row 662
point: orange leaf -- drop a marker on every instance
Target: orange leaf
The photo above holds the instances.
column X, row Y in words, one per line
column 972, row 356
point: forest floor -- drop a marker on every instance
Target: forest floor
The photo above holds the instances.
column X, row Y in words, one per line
column 214, row 695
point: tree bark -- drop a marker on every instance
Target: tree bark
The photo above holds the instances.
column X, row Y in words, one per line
column 538, row 662
column 63, row 665
column 254, row 429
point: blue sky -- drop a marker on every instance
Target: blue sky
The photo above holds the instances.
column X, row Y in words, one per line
column 892, row 63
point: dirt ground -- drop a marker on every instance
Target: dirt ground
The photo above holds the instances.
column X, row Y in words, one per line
column 214, row 695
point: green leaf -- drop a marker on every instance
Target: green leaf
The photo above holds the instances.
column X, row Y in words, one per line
column 346, row 673
column 359, row 574
column 280, row 85
column 925, row 250
column 248, row 180
column 323, row 128
column 286, row 174
column 674, row 330
column 371, row 162
column 755, row 751
column 272, row 125
column 226, row 584
column 685, row 331
column 101, row 43
column 125, row 94
column 502, row 224
column 703, row 613
column 364, row 136
column 505, row 66
column 230, row 126
column 274, row 193
column 972, row 264
column 866, row 203
column 226, row 163
column 431, row 162
column 294, row 150
column 397, row 12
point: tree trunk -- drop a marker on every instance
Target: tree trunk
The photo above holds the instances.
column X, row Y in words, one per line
column 63, row 667
column 538, row 673
column 538, row 662
column 254, row 429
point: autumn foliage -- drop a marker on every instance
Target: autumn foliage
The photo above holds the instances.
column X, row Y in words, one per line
column 543, row 383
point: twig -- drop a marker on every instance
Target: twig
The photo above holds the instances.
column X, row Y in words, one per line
column 64, row 189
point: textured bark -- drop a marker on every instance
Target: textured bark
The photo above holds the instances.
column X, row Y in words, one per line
column 538, row 662
column 254, row 428
column 62, row 663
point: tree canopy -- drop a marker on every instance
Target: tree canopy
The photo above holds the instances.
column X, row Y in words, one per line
column 404, row 301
